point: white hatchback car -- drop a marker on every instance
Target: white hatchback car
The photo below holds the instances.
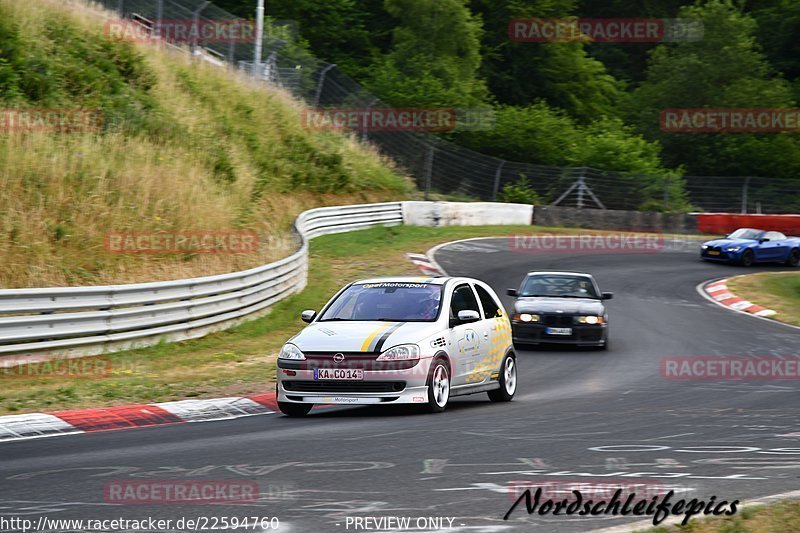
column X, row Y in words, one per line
column 400, row 340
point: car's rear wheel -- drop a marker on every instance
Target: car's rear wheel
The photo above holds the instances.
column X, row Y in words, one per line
column 747, row 258
column 794, row 258
column 294, row 409
column 508, row 381
column 438, row 386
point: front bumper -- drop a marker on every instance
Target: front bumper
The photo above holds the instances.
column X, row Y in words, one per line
column 722, row 257
column 582, row 334
column 378, row 387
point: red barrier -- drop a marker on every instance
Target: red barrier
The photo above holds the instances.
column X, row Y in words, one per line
column 725, row 223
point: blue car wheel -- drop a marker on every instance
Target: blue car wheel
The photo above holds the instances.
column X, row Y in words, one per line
column 794, row 258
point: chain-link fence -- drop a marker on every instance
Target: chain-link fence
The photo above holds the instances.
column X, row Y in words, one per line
column 440, row 166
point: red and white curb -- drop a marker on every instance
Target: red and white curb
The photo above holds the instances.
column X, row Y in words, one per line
column 39, row 425
column 428, row 266
column 718, row 291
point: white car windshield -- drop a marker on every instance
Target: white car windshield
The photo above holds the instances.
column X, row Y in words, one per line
column 559, row 286
column 746, row 233
column 387, row 301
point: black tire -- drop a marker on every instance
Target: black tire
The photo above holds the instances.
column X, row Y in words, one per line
column 438, row 390
column 294, row 409
column 508, row 381
column 794, row 258
column 748, row 258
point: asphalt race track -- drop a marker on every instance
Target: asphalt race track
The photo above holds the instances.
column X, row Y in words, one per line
column 578, row 415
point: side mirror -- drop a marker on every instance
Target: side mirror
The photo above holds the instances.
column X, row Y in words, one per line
column 511, row 292
column 765, row 239
column 308, row 315
column 468, row 315
column 607, row 296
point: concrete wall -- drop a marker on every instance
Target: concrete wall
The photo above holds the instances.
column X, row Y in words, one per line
column 465, row 214
column 572, row 217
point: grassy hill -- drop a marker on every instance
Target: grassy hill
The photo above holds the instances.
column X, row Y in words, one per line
column 183, row 146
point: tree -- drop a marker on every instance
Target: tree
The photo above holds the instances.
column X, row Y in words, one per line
column 725, row 69
column 337, row 30
column 778, row 28
column 560, row 73
column 435, row 56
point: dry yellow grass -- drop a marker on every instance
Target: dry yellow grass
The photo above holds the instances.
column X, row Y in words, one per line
column 185, row 147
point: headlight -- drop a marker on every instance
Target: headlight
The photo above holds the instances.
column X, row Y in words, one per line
column 704, row 247
column 590, row 319
column 733, row 249
column 403, row 352
column 526, row 317
column 290, row 351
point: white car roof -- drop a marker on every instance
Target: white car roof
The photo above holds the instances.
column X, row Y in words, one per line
column 433, row 280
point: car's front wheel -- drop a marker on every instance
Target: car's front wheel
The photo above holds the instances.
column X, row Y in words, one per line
column 294, row 409
column 794, row 258
column 508, row 381
column 748, row 258
column 438, row 386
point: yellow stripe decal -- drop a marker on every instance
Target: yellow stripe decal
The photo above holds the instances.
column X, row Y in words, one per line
column 368, row 340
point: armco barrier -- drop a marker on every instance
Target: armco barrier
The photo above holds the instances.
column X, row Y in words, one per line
column 91, row 320
column 724, row 223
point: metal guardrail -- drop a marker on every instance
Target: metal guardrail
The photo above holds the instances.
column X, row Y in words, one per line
column 54, row 319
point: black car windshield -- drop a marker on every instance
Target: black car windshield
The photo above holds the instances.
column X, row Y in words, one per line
column 386, row 301
column 746, row 233
column 558, row 286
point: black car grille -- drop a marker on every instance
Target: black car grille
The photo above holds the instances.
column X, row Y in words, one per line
column 557, row 321
column 343, row 386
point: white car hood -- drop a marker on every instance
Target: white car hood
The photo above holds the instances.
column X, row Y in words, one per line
column 361, row 336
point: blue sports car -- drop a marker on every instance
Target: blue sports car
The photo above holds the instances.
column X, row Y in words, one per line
column 746, row 246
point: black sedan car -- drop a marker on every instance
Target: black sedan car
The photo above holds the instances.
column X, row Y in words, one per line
column 560, row 308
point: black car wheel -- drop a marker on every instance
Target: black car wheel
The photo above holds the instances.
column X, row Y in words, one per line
column 794, row 258
column 294, row 409
column 747, row 258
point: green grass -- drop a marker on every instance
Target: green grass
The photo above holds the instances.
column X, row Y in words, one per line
column 241, row 360
column 777, row 518
column 777, row 291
